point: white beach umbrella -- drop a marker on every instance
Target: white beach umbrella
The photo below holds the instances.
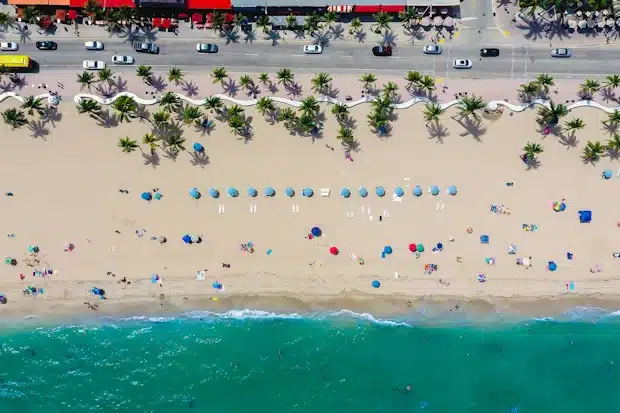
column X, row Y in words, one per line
column 610, row 22
column 618, row 22
column 579, row 13
column 588, row 13
column 572, row 24
column 591, row 23
column 425, row 21
column 448, row 22
column 582, row 24
column 600, row 24
column 605, row 12
column 438, row 21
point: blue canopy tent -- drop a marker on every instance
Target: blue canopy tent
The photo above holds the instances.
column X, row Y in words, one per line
column 252, row 192
column 198, row 147
column 289, row 192
column 269, row 191
column 452, row 190
column 380, row 191
column 434, row 190
column 187, row 239
column 376, row 284
column 147, row 196
column 417, row 191
column 363, row 191
column 345, row 192
column 607, row 174
column 398, row 191
column 316, row 232
column 214, row 193
column 232, row 192
column 307, row 192
column 194, row 193
column 585, row 216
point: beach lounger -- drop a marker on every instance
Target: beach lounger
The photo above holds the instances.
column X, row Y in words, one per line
column 326, row 192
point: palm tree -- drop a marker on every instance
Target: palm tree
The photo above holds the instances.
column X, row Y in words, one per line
column 544, row 82
column 592, row 152
column 239, row 19
column 145, row 73
column 105, row 76
column 377, row 120
column 191, row 114
column 340, row 111
column 246, row 81
column 150, row 140
column 30, row 15
column 5, row 20
column 589, row 87
column 213, row 103
column 531, row 150
column 311, row 23
column 330, row 18
column 235, row 110
column 551, row 115
column 263, row 22
column 14, row 118
column 218, row 21
column 356, row 25
column 345, row 135
column 32, row 105
column 237, row 125
column 613, row 145
column 613, row 81
column 432, row 112
column 126, row 107
column 289, row 117
column 176, row 143
column 368, row 79
column 409, row 17
column 175, row 75
column 574, row 124
column 219, row 74
column 285, row 76
column 306, row 123
column 390, row 89
column 382, row 104
column 127, row 145
column 469, row 106
column 265, row 105
column 86, row 79
column 170, row 101
column 427, row 84
column 382, row 20
column 612, row 122
column 264, row 78
column 320, row 82
column 528, row 90
column 413, row 79
column 291, row 21
column 160, row 117
column 91, row 107
column 309, row 106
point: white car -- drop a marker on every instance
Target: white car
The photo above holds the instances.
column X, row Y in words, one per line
column 8, row 46
column 462, row 64
column 122, row 60
column 561, row 53
column 93, row 45
column 93, row 65
column 432, row 49
column 313, row 49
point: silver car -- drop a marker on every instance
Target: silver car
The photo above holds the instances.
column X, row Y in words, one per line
column 432, row 49
column 462, row 64
column 561, row 53
column 122, row 60
column 93, row 45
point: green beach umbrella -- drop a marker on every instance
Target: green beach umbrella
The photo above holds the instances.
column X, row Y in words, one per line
column 419, row 248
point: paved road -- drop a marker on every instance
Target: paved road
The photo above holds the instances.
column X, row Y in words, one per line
column 513, row 62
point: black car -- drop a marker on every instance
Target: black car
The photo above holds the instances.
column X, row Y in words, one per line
column 46, row 45
column 489, row 52
column 382, row 51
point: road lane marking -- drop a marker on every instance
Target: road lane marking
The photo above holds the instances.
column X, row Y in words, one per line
column 466, row 19
column 512, row 66
column 525, row 68
column 297, row 55
column 251, row 54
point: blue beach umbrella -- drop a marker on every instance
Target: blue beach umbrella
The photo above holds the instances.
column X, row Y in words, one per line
column 345, row 192
column 607, row 174
column 376, row 284
column 198, row 147
column 290, row 192
column 552, row 266
column 452, row 190
column 214, row 193
column 269, row 191
column 398, row 191
column 194, row 193
column 232, row 192
column 380, row 191
column 363, row 191
column 147, row 196
column 252, row 192
column 187, row 239
column 417, row 191
column 307, row 192
column 316, row 232
column 387, row 250
column 217, row 285
column 435, row 190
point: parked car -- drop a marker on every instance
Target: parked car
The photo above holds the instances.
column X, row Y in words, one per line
column 93, row 45
column 46, row 45
column 432, row 49
column 489, row 52
column 123, row 60
column 313, row 49
column 8, row 46
column 382, row 51
column 561, row 53
column 462, row 64
column 93, row 64
column 206, row 48
column 143, row 47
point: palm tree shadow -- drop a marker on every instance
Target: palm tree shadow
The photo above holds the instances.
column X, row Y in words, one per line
column 532, row 163
column 19, row 81
column 273, row 88
column 610, row 128
column 250, row 37
column 119, row 84
column 51, row 115
column 322, row 38
column 253, row 90
column 556, row 30
column 204, row 127
column 300, row 34
column 148, row 34
column 231, row 36
column 414, row 34
column 437, row 130
column 166, row 130
column 613, row 154
column 608, row 94
column 24, row 33
column 143, row 113
column 332, row 92
column 569, row 141
column 352, row 146
column 533, row 28
column 230, row 88
column 107, row 119
column 473, row 127
column 7, row 87
column 190, row 89
column 349, row 122
column 151, row 158
column 294, row 90
column 170, row 153
column 39, row 129
column 200, row 159
column 360, row 36
column 158, row 83
column 337, row 32
column 274, row 37
column 591, row 33
column 389, row 38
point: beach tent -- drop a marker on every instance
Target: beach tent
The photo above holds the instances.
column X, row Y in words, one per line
column 187, row 239
column 252, row 192
column 345, row 192
column 232, row 192
column 147, row 196
column 380, row 191
column 217, row 285
column 269, row 191
column 363, row 191
column 417, row 191
column 289, row 192
column 398, row 191
column 334, row 251
column 376, row 284
column 484, row 239
column 434, row 190
column 585, row 216
column 198, row 147
column 452, row 190
column 194, row 193
column 214, row 193
column 308, row 192
column 316, row 232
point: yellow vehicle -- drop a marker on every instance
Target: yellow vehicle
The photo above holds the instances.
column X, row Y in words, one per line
column 15, row 61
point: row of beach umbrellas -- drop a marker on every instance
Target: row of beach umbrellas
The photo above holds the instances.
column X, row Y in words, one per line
column 309, row 192
column 437, row 21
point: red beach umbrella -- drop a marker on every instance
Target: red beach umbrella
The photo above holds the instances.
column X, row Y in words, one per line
column 413, row 247
column 333, row 251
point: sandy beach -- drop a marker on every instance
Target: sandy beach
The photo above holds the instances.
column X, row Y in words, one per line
column 65, row 188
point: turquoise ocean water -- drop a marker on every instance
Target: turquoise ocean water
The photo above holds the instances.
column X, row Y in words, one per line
column 253, row 361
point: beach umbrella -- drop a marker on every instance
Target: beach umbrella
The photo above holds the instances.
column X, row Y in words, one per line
column 187, row 239
column 214, row 193
column 147, row 196
column 607, row 174
column 217, row 285
column 380, row 191
column 439, row 246
column 2, row 299
column 448, row 22
column 376, row 284
column 420, row 247
column 425, row 21
column 232, row 192
column 552, row 266
column 307, row 192
column 195, row 239
column 438, row 21
column 334, row 251
column 582, row 24
column 452, row 190
column 413, row 248
column 290, row 192
column 387, row 250
column 417, row 191
column 316, row 232
column 363, row 191
column 610, row 22
column 252, row 192
column 269, row 191
column 345, row 192
column 198, row 147
column 398, row 191
column 435, row 190
column 194, row 193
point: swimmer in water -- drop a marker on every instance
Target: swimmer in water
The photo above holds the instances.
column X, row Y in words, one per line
column 408, row 388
